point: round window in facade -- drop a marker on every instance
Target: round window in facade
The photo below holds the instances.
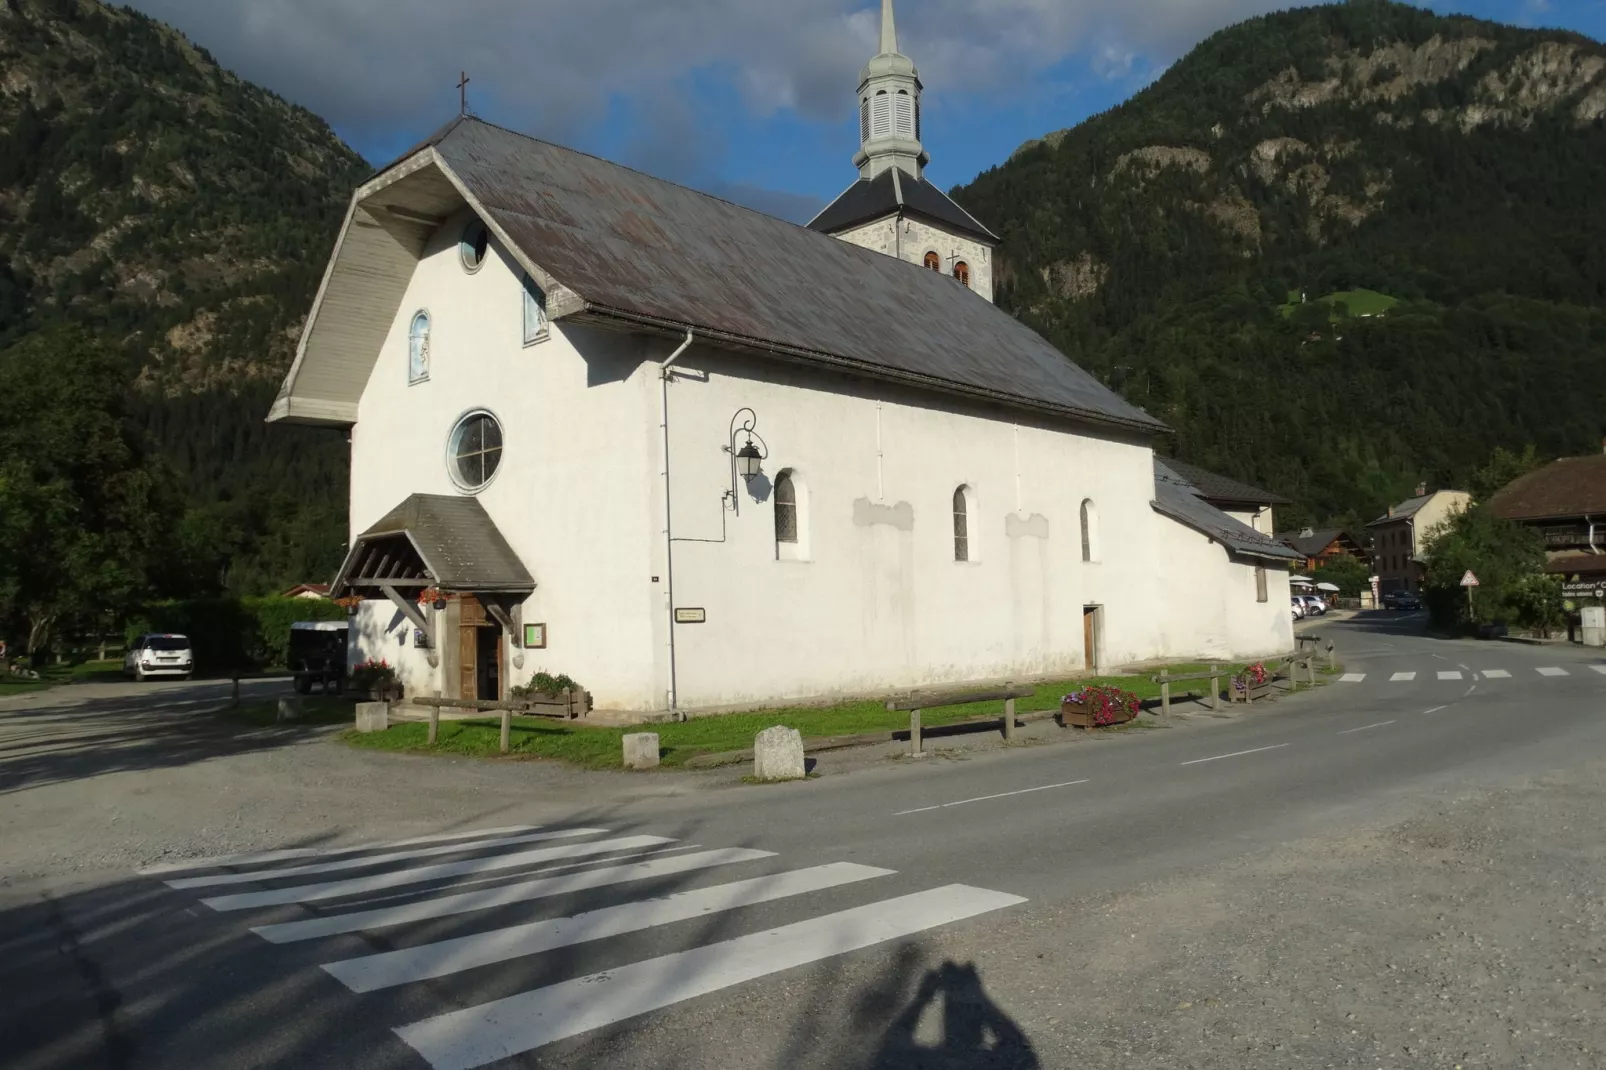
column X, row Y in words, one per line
column 473, row 245
column 474, row 450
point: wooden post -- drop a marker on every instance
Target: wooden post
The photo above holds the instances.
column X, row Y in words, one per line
column 1249, row 687
column 435, row 720
column 1215, row 688
column 507, row 729
column 1009, row 720
column 1332, row 658
column 914, row 733
column 1165, row 691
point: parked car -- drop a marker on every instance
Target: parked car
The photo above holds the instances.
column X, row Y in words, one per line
column 1313, row 606
column 1402, row 600
column 165, row 654
column 1298, row 607
column 317, row 654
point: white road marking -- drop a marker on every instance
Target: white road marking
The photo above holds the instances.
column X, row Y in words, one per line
column 304, row 893
column 1235, row 754
column 1496, row 674
column 375, row 860
column 1435, row 709
column 503, row 895
column 1402, row 677
column 1552, row 671
column 1363, row 728
column 1600, row 669
column 475, row 1036
column 320, row 852
column 1352, row 678
column 372, row 972
column 984, row 798
column 1450, row 674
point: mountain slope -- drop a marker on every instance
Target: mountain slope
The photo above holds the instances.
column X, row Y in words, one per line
column 155, row 198
column 1450, row 166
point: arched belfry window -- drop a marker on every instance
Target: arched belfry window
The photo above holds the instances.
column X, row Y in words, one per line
column 933, row 261
column 961, row 525
column 962, row 272
column 1090, row 531
column 904, row 113
column 418, row 348
column 881, row 115
column 785, row 508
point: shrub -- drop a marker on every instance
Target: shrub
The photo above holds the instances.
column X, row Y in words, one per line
column 544, row 684
column 375, row 674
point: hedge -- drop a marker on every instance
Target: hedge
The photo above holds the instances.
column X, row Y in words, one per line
column 233, row 633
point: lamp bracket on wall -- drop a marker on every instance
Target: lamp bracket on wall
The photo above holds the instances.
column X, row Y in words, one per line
column 747, row 461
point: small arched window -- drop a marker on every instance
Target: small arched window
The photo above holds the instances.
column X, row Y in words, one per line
column 418, row 348
column 785, row 509
column 962, row 272
column 933, row 261
column 1090, row 531
column 961, row 525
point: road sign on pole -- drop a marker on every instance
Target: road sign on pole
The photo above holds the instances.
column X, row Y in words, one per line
column 1469, row 580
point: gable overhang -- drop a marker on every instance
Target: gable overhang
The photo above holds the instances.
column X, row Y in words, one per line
column 388, row 226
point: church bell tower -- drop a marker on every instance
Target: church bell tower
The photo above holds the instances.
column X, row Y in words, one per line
column 893, row 208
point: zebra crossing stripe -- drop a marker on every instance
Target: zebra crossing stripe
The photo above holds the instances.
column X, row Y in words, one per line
column 503, row 895
column 1402, row 677
column 1352, row 678
column 320, row 852
column 365, row 861
column 1552, row 671
column 305, row 893
column 1449, row 674
column 1496, row 674
column 371, row 972
column 459, row 1040
column 1600, row 669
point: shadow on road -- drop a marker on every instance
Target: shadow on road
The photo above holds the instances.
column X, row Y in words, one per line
column 974, row 1033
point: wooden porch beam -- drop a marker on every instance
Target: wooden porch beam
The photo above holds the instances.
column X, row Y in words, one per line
column 410, row 611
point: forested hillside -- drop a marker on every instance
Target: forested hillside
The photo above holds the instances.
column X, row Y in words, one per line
column 164, row 224
column 1340, row 249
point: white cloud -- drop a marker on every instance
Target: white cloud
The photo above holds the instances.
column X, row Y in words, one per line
column 554, row 66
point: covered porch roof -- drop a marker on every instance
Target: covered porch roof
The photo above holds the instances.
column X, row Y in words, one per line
column 433, row 540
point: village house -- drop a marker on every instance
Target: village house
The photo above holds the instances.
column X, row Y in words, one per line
column 696, row 457
column 1565, row 502
column 1400, row 536
column 1318, row 547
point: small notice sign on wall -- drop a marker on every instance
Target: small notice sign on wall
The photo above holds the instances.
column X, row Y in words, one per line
column 535, row 637
column 691, row 616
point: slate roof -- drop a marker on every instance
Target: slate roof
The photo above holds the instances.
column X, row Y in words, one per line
column 1220, row 489
column 1570, row 487
column 458, row 542
column 644, row 252
column 886, row 193
column 1406, row 509
column 1180, row 500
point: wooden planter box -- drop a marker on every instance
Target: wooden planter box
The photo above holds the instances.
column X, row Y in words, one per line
column 1080, row 715
column 570, row 703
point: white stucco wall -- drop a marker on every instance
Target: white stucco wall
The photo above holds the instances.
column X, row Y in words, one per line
column 911, row 239
column 571, row 496
column 1210, row 606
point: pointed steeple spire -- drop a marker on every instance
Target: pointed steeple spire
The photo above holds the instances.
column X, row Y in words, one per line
column 889, row 32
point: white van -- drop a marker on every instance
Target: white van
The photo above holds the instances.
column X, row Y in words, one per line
column 164, row 654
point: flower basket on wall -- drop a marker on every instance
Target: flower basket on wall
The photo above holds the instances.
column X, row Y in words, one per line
column 1098, row 707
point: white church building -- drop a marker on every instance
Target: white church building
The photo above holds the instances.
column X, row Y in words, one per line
column 697, row 457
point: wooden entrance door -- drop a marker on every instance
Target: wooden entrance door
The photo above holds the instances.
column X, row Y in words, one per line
column 480, row 646
column 1090, row 636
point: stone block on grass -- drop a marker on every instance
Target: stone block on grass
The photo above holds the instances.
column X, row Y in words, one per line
column 289, row 709
column 641, row 750
column 778, row 754
column 373, row 716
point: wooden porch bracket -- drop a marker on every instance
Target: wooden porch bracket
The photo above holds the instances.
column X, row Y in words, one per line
column 410, row 610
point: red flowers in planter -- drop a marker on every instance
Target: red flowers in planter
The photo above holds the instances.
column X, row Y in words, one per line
column 1108, row 705
column 1253, row 676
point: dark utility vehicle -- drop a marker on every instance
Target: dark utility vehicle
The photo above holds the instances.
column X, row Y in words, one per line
column 318, row 654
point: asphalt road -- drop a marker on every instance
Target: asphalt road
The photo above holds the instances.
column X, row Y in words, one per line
column 864, row 920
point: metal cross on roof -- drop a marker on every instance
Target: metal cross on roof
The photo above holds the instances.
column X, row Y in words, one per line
column 462, row 92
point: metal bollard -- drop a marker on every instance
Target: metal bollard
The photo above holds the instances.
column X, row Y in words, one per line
column 235, row 701
column 435, row 720
column 1009, row 720
column 914, row 734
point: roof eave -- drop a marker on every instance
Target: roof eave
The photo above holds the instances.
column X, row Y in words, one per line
column 1149, row 427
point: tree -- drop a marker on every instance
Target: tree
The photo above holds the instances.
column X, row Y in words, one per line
column 81, row 504
column 1506, row 557
column 1349, row 574
column 1503, row 467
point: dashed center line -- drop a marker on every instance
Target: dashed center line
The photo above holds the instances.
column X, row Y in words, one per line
column 1435, row 709
column 1364, row 727
column 1235, row 754
column 984, row 798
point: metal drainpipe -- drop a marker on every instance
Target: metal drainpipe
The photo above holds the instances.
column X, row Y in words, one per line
column 669, row 533
column 1592, row 547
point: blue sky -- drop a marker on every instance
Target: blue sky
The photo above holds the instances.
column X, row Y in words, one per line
column 748, row 99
